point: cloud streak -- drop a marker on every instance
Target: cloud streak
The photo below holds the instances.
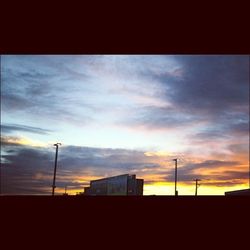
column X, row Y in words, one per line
column 10, row 128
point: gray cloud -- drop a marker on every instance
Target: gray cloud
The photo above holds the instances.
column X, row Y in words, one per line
column 29, row 170
column 240, row 128
column 223, row 132
column 210, row 164
column 161, row 118
column 9, row 128
column 103, row 160
column 39, row 86
column 209, row 89
column 204, row 88
column 13, row 102
column 20, row 166
column 239, row 148
column 212, row 83
column 222, row 183
column 209, row 135
column 189, row 172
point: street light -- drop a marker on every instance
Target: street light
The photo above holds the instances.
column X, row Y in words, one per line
column 175, row 181
column 54, row 179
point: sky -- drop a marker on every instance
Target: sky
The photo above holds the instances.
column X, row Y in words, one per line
column 125, row 114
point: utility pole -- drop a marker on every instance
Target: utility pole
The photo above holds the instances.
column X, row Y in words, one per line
column 196, row 185
column 175, row 181
column 248, row 162
column 54, row 179
column 249, row 177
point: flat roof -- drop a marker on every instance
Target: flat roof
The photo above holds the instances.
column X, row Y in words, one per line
column 106, row 178
column 239, row 192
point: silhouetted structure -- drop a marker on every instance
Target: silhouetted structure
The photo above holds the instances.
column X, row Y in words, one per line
column 243, row 192
column 116, row 185
column 65, row 192
column 54, row 178
column 175, row 178
column 196, row 185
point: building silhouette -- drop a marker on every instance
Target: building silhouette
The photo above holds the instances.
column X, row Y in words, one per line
column 242, row 192
column 117, row 185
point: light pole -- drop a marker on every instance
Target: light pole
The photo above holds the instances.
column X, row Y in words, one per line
column 196, row 185
column 249, row 164
column 249, row 177
column 54, row 179
column 175, row 181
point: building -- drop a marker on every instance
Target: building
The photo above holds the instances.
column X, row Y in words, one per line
column 116, row 185
column 243, row 192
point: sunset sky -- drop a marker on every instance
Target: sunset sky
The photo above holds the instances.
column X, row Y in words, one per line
column 118, row 114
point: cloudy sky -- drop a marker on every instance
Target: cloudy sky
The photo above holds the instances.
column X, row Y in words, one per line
column 117, row 114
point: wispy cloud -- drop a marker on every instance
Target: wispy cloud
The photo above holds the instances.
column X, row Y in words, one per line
column 196, row 106
column 10, row 128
